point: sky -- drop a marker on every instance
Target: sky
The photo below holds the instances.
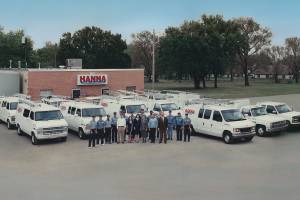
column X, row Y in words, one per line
column 46, row 20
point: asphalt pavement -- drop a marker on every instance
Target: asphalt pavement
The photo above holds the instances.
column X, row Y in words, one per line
column 266, row 168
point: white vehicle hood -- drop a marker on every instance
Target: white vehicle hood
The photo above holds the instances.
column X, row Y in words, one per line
column 289, row 114
column 240, row 124
column 264, row 119
column 51, row 123
column 12, row 112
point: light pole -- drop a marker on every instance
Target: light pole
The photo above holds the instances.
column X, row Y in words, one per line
column 153, row 60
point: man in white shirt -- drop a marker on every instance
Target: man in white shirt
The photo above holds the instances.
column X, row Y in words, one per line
column 121, row 124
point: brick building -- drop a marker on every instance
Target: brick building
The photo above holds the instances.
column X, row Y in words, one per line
column 78, row 82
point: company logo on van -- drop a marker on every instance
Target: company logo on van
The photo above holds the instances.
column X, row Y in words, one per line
column 97, row 79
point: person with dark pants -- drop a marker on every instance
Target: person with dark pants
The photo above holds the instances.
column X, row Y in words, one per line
column 179, row 127
column 162, row 126
column 108, row 130
column 171, row 122
column 93, row 128
column 136, row 128
column 187, row 127
column 152, row 125
column 129, row 123
column 100, row 130
column 114, row 129
column 144, row 126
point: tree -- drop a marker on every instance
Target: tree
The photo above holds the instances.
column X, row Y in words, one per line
column 276, row 55
column 142, row 48
column 293, row 55
column 96, row 47
column 255, row 37
column 11, row 48
column 46, row 56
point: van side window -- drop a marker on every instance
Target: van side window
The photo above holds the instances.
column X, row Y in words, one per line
column 246, row 111
column 32, row 115
column 78, row 112
column 207, row 114
column 69, row 110
column 4, row 104
column 7, row 106
column 73, row 110
column 217, row 116
column 270, row 109
column 156, row 107
column 26, row 113
column 201, row 111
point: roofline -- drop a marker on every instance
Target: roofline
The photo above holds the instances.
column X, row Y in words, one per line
column 81, row 70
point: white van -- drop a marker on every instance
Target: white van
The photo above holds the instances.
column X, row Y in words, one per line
column 265, row 123
column 8, row 107
column 224, row 121
column 282, row 110
column 79, row 114
column 165, row 106
column 40, row 121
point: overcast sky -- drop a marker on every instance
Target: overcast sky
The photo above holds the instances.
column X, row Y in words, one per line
column 46, row 20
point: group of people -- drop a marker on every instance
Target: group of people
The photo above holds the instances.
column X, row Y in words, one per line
column 139, row 128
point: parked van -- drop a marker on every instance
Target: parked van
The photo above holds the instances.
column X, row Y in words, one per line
column 265, row 122
column 8, row 107
column 282, row 110
column 224, row 121
column 79, row 114
column 40, row 121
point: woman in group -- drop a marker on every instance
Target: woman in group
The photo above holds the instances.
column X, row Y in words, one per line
column 136, row 128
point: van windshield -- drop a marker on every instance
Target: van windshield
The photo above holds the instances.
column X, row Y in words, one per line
column 135, row 108
column 13, row 106
column 259, row 111
column 232, row 115
column 169, row 106
column 89, row 112
column 48, row 115
column 283, row 108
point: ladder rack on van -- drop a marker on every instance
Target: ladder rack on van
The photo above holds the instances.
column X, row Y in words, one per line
column 22, row 96
column 29, row 103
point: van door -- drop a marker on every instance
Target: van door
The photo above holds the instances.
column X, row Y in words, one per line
column 198, row 121
column 206, row 121
column 216, row 128
column 25, row 121
column 2, row 110
column 72, row 119
column 77, row 119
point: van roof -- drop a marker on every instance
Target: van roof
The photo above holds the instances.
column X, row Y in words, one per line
column 80, row 104
column 274, row 103
column 38, row 107
column 11, row 99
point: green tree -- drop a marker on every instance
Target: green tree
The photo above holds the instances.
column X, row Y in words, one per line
column 293, row 55
column 255, row 38
column 96, row 47
column 47, row 56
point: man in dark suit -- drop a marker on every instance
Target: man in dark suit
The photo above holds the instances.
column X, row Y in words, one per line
column 162, row 126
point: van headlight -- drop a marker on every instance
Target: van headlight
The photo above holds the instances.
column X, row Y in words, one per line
column 236, row 130
column 39, row 131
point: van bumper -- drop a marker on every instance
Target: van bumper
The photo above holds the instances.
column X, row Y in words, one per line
column 51, row 136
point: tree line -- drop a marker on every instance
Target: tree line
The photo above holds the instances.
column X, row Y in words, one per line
column 198, row 49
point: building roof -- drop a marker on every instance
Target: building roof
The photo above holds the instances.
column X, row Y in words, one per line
column 80, row 70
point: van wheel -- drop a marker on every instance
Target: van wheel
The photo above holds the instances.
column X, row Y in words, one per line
column 81, row 134
column 8, row 124
column 227, row 138
column 19, row 130
column 249, row 139
column 64, row 139
column 261, row 131
column 34, row 140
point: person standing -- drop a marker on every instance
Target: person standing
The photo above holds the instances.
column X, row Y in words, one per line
column 136, row 128
column 144, row 126
column 152, row 125
column 114, row 129
column 179, row 127
column 187, row 127
column 100, row 130
column 162, row 126
column 171, row 120
column 93, row 129
column 108, row 130
column 121, row 124
column 129, row 131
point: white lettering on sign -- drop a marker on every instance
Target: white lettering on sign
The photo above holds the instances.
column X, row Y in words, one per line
column 97, row 79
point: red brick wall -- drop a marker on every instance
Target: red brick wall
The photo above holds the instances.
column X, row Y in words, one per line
column 62, row 82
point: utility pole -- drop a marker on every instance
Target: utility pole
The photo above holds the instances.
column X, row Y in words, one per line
column 153, row 60
column 10, row 63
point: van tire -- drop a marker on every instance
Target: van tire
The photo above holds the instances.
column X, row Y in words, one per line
column 64, row 139
column 227, row 138
column 81, row 134
column 34, row 140
column 260, row 130
column 19, row 130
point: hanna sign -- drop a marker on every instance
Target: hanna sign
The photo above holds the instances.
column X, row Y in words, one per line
column 95, row 79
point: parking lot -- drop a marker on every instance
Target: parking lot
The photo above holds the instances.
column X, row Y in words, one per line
column 206, row 168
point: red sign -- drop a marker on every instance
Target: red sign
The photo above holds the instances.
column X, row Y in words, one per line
column 95, row 79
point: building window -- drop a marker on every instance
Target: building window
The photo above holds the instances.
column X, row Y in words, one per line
column 105, row 91
column 75, row 93
column 131, row 88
